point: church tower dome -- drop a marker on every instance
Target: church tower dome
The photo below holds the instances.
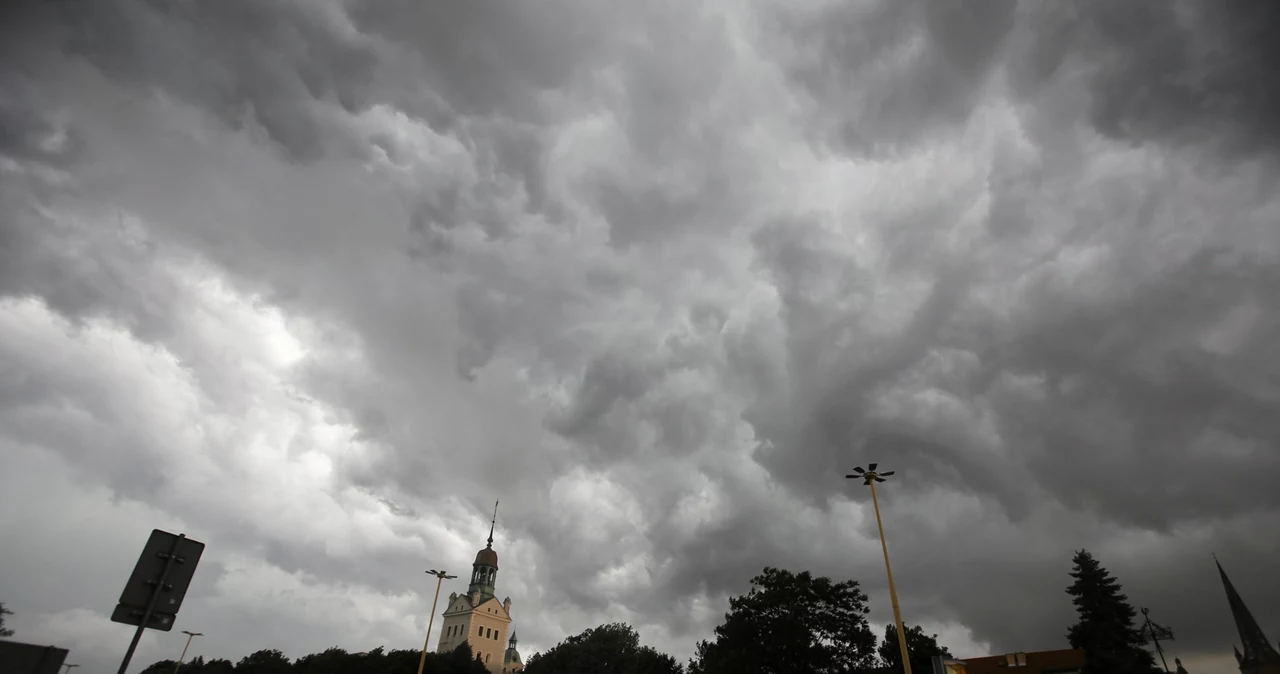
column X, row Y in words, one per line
column 487, row 557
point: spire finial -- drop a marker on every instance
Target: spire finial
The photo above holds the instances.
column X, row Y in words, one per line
column 492, row 525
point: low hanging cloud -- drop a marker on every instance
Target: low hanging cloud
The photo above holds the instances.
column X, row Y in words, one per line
column 314, row 282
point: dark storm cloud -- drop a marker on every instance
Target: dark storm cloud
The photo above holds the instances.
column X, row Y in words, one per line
column 490, row 55
column 1176, row 72
column 273, row 64
column 26, row 135
column 605, row 272
column 1128, row 387
column 927, row 62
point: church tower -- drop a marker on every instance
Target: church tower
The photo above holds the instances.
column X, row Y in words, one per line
column 511, row 661
column 477, row 617
column 1259, row 656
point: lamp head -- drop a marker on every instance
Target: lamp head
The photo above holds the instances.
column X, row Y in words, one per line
column 868, row 474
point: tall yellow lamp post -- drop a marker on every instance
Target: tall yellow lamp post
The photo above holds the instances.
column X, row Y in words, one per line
column 441, row 576
column 182, row 658
column 870, row 477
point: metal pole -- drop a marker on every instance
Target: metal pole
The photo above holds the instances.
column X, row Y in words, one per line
column 893, row 592
column 68, row 668
column 430, row 621
column 151, row 603
column 182, row 658
column 1154, row 639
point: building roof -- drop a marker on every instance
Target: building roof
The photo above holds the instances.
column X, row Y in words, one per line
column 487, row 557
column 1038, row 662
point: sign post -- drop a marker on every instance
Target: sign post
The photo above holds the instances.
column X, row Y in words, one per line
column 157, row 586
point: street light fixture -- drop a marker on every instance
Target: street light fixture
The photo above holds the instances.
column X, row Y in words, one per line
column 1154, row 632
column 183, row 657
column 870, row 477
column 440, row 578
column 68, row 666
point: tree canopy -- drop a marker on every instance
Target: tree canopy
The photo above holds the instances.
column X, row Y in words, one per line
column 1105, row 629
column 4, row 632
column 332, row 661
column 791, row 623
column 921, row 649
column 609, row 648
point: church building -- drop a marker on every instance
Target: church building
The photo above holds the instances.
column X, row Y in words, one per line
column 478, row 618
column 1256, row 655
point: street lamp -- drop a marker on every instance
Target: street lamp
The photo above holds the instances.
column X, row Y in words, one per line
column 440, row 578
column 1154, row 633
column 870, row 477
column 68, row 667
column 181, row 658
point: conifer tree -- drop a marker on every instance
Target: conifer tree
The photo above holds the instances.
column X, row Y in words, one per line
column 4, row 632
column 1105, row 629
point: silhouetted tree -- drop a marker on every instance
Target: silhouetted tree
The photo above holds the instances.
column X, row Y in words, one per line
column 462, row 660
column 216, row 666
column 332, row 661
column 791, row 623
column 265, row 661
column 1105, row 629
column 403, row 661
column 4, row 632
column 608, row 648
column 921, row 648
column 162, row 667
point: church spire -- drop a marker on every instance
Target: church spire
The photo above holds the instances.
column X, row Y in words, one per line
column 1259, row 655
column 484, row 571
column 492, row 524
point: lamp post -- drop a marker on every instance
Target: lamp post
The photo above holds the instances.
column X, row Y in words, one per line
column 183, row 657
column 870, row 477
column 68, row 666
column 440, row 578
column 1154, row 633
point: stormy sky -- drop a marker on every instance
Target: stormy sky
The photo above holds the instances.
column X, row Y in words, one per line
column 315, row 281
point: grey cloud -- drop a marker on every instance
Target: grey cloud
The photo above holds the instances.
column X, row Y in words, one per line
column 1051, row 351
column 492, row 55
column 1166, row 72
column 271, row 63
column 886, row 75
column 608, row 380
column 25, row 135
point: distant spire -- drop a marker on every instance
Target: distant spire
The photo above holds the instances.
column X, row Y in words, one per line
column 1257, row 651
column 493, row 524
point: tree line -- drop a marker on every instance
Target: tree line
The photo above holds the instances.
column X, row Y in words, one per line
column 787, row 623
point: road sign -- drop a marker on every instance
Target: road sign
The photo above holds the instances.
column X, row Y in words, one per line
column 133, row 616
column 155, row 590
column 20, row 658
column 146, row 574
